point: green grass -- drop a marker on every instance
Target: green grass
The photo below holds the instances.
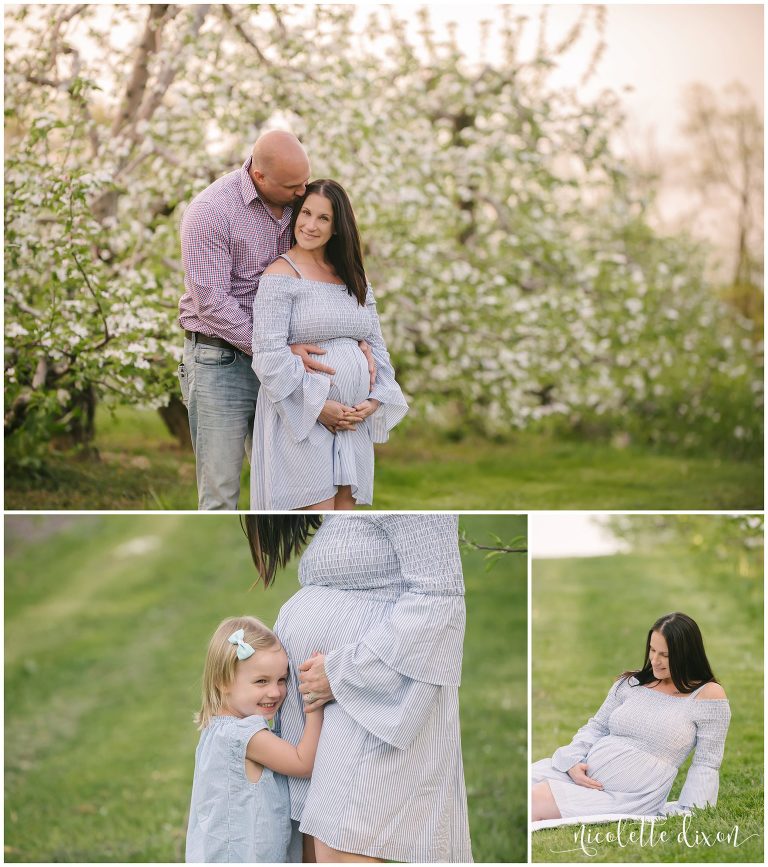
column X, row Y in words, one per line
column 590, row 619
column 140, row 467
column 106, row 623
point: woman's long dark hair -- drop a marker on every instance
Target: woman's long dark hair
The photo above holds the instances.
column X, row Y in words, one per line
column 688, row 664
column 274, row 539
column 343, row 248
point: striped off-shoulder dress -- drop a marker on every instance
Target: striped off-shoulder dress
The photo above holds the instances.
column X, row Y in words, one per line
column 383, row 598
column 634, row 745
column 295, row 461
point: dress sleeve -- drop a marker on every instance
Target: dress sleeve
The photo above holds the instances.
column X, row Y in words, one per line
column 702, row 782
column 390, row 680
column 207, row 259
column 297, row 396
column 385, row 389
column 566, row 757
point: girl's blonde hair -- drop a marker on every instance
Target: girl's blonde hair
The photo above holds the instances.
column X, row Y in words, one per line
column 221, row 659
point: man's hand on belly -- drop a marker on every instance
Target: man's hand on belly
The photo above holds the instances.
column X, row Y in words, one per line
column 311, row 365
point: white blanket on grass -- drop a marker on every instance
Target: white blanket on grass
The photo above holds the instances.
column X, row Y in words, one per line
column 671, row 808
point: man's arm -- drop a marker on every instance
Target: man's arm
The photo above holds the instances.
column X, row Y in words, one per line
column 207, row 259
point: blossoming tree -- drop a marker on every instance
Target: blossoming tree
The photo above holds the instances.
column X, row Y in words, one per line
column 517, row 275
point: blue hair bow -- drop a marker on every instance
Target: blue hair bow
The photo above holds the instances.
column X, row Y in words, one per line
column 244, row 650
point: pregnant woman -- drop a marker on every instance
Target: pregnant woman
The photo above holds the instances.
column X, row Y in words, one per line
column 314, row 432
column 626, row 758
column 382, row 601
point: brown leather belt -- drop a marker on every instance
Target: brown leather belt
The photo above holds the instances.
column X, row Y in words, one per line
column 196, row 337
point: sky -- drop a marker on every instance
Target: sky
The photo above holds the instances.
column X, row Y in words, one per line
column 656, row 49
column 575, row 534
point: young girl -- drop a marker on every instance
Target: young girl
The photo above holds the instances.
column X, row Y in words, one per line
column 240, row 810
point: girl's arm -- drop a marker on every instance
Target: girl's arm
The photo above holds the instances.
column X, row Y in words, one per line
column 283, row 757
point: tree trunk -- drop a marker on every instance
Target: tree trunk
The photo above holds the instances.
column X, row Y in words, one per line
column 177, row 421
column 78, row 426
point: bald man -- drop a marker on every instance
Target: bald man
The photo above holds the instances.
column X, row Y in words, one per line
column 229, row 234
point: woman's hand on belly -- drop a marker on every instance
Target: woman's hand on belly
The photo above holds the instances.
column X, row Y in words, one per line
column 578, row 773
column 313, row 683
column 367, row 407
column 336, row 416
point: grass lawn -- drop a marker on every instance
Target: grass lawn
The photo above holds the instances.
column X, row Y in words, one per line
column 106, row 623
column 590, row 619
column 141, row 468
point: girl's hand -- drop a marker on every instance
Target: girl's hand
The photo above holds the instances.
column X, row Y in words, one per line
column 578, row 773
column 367, row 407
column 313, row 684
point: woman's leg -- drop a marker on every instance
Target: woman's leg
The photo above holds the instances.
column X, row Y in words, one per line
column 543, row 804
column 325, row 506
column 344, row 499
column 326, row 855
column 308, row 849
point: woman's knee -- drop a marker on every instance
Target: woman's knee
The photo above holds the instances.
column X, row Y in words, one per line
column 326, row 855
column 543, row 804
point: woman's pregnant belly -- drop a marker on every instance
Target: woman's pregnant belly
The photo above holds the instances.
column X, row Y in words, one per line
column 351, row 383
column 621, row 766
column 320, row 618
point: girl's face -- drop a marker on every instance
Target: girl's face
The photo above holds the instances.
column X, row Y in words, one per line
column 658, row 656
column 314, row 225
column 259, row 685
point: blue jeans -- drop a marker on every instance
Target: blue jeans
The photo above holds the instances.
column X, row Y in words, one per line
column 219, row 389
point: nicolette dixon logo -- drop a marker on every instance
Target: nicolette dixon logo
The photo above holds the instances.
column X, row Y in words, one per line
column 589, row 838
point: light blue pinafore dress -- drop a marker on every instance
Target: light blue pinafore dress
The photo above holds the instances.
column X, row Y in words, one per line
column 231, row 819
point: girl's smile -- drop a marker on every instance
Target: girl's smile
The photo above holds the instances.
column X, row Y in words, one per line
column 259, row 685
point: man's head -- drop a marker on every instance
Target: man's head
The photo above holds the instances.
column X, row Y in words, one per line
column 279, row 167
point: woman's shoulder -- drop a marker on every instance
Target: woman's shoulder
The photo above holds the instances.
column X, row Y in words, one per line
column 280, row 277
column 282, row 268
column 712, row 691
column 622, row 683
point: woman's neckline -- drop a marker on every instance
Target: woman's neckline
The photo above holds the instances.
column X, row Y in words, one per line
column 690, row 696
column 307, row 280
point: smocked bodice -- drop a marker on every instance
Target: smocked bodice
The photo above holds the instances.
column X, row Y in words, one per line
column 392, row 552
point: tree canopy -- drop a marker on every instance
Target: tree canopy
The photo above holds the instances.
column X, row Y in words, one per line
column 518, row 279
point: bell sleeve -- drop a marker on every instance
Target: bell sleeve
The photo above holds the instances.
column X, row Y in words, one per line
column 297, row 396
column 385, row 389
column 703, row 779
column 390, row 681
column 576, row 751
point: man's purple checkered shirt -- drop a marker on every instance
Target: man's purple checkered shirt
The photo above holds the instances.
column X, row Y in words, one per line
column 228, row 237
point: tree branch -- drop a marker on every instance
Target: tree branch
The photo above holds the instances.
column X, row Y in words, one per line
column 230, row 16
column 167, row 74
column 137, row 83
